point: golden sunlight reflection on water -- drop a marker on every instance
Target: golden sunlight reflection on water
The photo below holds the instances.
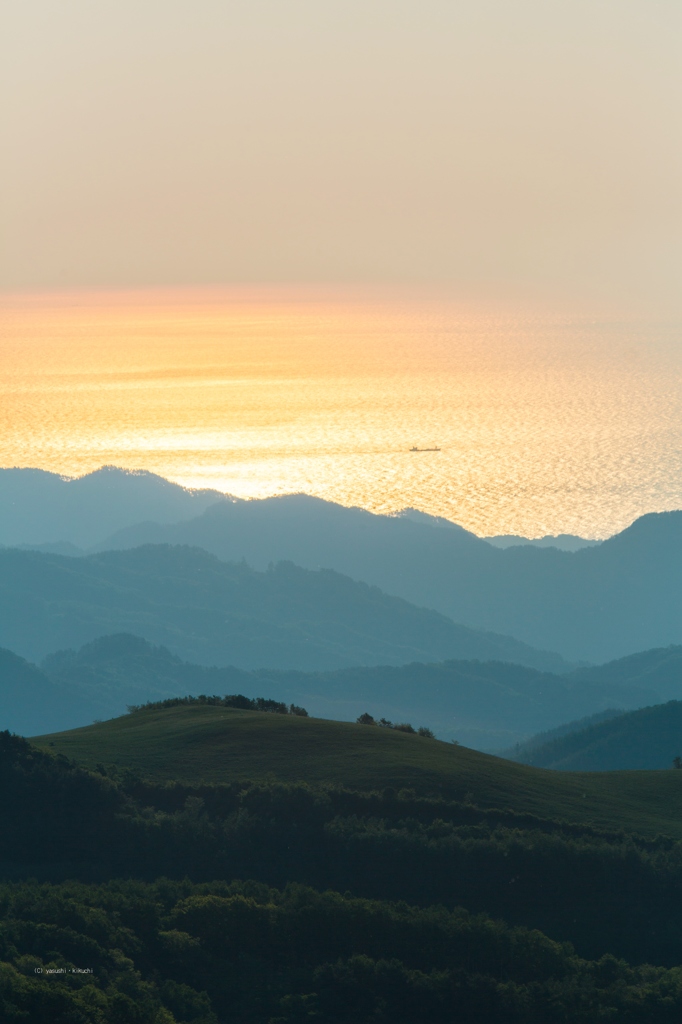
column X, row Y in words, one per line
column 546, row 423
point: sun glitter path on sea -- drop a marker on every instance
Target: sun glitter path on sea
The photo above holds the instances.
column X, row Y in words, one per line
column 546, row 423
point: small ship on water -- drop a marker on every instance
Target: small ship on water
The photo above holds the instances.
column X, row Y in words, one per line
column 415, row 449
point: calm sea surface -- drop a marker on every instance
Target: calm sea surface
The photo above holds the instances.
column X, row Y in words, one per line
column 546, row 423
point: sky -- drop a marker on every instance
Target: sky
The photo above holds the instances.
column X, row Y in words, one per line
column 530, row 148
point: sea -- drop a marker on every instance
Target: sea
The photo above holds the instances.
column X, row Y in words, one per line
column 538, row 420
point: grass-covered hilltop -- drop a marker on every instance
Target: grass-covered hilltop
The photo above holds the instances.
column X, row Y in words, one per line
column 204, row 743
column 211, row 862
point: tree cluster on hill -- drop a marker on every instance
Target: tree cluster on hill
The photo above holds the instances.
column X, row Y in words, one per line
column 234, row 700
column 384, row 723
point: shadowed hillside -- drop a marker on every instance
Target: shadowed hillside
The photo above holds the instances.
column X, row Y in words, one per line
column 648, row 738
column 362, row 905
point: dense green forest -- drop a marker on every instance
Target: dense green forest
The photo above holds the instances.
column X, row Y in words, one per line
column 245, row 952
column 133, row 897
column 605, row 891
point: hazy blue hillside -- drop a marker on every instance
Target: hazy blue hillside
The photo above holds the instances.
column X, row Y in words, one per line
column 563, row 541
column 658, row 670
column 487, row 705
column 594, row 604
column 525, row 750
column 213, row 612
column 30, row 702
column 648, row 738
column 310, row 532
column 115, row 671
column 44, row 508
column 481, row 704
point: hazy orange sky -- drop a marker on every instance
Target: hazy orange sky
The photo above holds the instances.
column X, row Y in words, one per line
column 530, row 147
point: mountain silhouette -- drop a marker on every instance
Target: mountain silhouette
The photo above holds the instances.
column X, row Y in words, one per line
column 592, row 605
column 212, row 612
column 563, row 541
column 40, row 508
column 488, row 705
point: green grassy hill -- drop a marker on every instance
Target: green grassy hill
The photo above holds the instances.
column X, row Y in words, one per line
column 215, row 744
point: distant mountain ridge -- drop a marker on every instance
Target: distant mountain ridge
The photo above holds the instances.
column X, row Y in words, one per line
column 592, row 605
column 481, row 704
column 645, row 738
column 217, row 613
column 486, row 705
column 41, row 508
column 562, row 541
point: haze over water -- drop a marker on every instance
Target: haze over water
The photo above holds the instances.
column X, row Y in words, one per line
column 546, row 423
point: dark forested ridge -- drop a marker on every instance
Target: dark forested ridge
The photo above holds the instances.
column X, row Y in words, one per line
column 174, row 951
column 213, row 612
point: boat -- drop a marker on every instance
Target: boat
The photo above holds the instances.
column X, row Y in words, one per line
column 415, row 449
